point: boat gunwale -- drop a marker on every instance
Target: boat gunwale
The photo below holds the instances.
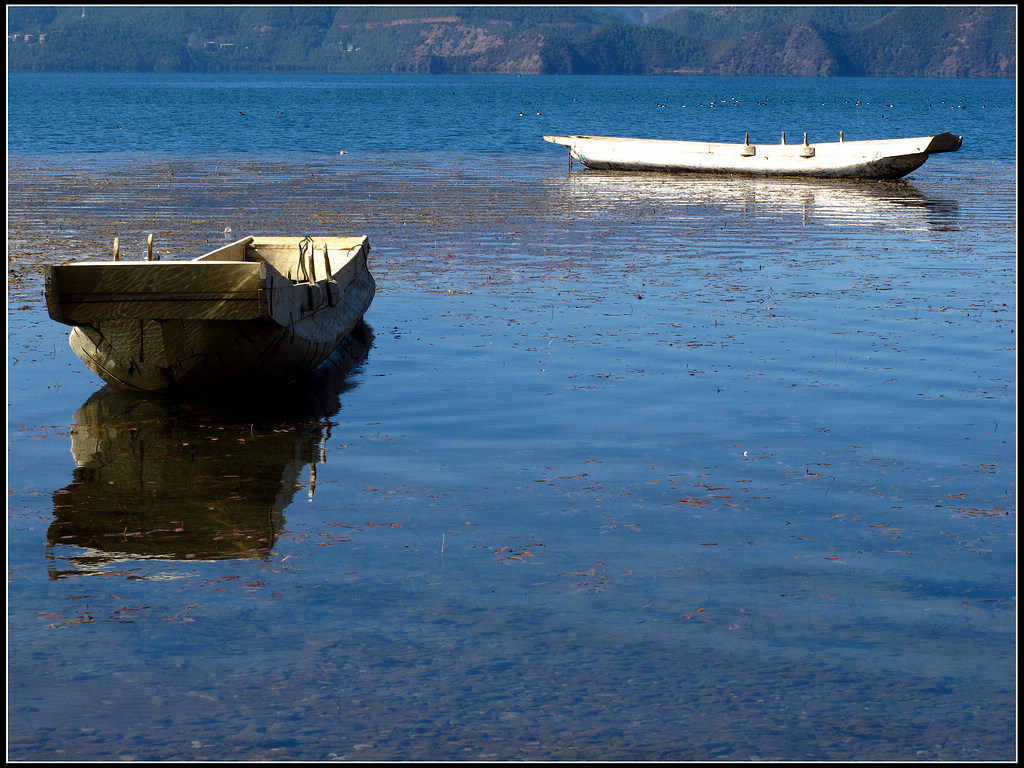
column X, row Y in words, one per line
column 252, row 286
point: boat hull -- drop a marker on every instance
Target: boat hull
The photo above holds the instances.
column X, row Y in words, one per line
column 212, row 355
column 208, row 325
column 888, row 159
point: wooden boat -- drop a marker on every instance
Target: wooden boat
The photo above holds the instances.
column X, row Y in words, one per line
column 884, row 159
column 259, row 311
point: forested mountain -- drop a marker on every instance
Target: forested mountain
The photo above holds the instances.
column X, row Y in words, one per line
column 908, row 41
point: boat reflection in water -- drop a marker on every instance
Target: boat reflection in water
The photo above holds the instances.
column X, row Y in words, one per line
column 897, row 204
column 158, row 478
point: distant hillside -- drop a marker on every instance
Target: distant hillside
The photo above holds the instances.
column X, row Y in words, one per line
column 852, row 41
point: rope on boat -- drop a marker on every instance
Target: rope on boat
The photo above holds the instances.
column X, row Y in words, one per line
column 304, row 244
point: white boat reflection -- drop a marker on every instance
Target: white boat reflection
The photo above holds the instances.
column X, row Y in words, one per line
column 161, row 478
column 845, row 203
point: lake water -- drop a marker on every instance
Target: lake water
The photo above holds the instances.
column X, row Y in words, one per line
column 631, row 467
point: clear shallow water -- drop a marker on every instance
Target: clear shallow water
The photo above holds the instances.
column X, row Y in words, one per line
column 634, row 468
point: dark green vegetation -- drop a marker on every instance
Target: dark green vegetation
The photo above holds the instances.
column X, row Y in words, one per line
column 852, row 41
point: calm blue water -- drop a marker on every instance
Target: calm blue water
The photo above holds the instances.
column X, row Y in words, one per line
column 635, row 467
column 323, row 114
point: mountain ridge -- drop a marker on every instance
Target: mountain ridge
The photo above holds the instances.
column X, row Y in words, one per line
column 808, row 41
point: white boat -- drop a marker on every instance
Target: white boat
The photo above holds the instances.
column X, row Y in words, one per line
column 882, row 159
column 259, row 311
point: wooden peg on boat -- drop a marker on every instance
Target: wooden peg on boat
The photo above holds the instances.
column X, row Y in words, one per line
column 840, row 135
column 748, row 150
column 329, row 284
column 805, row 138
column 783, row 137
column 149, row 247
column 312, row 266
column 117, row 250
